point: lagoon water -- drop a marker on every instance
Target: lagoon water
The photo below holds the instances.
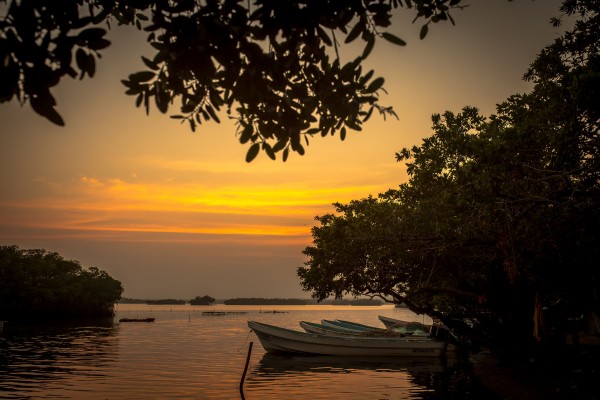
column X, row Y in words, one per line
column 186, row 354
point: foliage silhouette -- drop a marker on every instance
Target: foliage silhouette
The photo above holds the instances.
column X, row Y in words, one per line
column 274, row 64
column 499, row 217
column 41, row 284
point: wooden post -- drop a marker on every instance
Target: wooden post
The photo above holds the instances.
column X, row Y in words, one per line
column 245, row 369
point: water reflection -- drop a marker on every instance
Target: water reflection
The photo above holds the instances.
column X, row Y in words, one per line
column 187, row 355
column 35, row 358
column 329, row 377
column 274, row 365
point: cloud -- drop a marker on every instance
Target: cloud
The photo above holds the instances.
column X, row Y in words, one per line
column 112, row 206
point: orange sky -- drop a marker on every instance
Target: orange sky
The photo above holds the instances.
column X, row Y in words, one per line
column 173, row 213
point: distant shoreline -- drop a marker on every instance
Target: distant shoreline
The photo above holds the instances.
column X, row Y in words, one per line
column 259, row 301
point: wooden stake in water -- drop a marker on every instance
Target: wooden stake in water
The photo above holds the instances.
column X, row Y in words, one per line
column 245, row 369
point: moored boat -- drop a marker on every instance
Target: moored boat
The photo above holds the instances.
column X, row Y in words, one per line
column 404, row 326
column 353, row 326
column 313, row 327
column 333, row 330
column 282, row 340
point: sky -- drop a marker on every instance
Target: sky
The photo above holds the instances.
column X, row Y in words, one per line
column 176, row 214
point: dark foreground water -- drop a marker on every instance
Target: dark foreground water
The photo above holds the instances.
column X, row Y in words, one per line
column 188, row 355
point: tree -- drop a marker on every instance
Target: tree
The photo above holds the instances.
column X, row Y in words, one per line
column 275, row 63
column 41, row 284
column 202, row 301
column 499, row 215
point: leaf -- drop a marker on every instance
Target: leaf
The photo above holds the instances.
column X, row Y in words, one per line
column 91, row 64
column 393, row 39
column 43, row 106
column 246, row 134
column 368, row 47
column 324, row 36
column 161, row 99
column 269, row 150
column 98, row 44
column 82, row 62
column 424, row 30
column 280, row 145
column 358, row 28
column 142, row 76
column 353, row 125
column 149, row 63
column 139, row 99
column 252, row 152
column 343, row 133
column 369, row 113
column 212, row 113
column 366, row 77
column 375, row 85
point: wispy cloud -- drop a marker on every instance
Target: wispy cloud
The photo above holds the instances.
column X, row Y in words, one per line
column 91, row 204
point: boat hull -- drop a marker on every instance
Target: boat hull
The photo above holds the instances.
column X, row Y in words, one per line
column 280, row 340
column 391, row 323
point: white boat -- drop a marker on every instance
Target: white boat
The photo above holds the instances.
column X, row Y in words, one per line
column 282, row 340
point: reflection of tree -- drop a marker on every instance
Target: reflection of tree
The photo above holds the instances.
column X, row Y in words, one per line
column 33, row 356
column 335, row 364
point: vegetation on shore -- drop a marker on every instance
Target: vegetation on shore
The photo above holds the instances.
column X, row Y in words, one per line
column 496, row 231
column 263, row 301
column 165, row 302
column 202, row 301
column 43, row 285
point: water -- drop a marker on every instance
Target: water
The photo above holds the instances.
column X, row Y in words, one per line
column 188, row 355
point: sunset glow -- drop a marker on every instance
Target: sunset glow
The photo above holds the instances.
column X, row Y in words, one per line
column 173, row 213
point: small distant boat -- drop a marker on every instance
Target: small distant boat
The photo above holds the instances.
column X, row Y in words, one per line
column 136, row 320
column 276, row 339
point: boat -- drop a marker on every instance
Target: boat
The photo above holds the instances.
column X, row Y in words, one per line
column 136, row 320
column 352, row 326
column 276, row 339
column 404, row 326
column 313, row 327
column 332, row 330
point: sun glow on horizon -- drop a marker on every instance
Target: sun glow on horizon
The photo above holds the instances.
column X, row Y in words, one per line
column 94, row 205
